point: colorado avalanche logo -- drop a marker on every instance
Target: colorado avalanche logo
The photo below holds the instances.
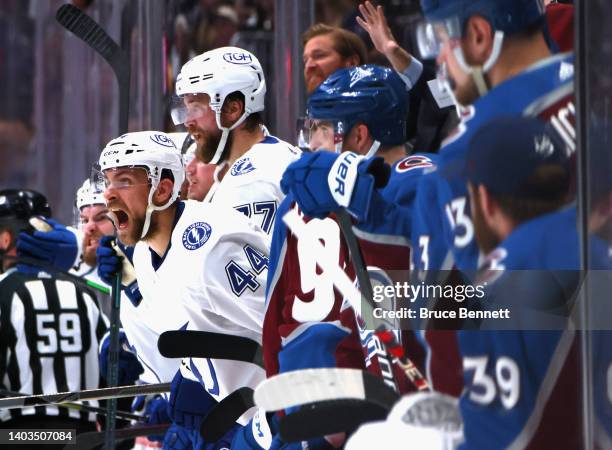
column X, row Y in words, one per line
column 196, row 235
column 162, row 139
column 242, row 166
column 413, row 162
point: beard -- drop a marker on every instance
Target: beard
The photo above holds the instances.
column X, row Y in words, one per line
column 131, row 235
column 89, row 257
column 485, row 236
column 207, row 149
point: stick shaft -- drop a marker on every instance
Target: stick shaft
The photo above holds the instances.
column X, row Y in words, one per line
column 90, row 394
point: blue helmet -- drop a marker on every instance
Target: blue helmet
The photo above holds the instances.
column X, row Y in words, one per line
column 374, row 95
column 509, row 16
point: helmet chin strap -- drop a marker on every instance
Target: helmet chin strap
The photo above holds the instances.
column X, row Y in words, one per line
column 373, row 149
column 225, row 133
column 478, row 72
column 151, row 207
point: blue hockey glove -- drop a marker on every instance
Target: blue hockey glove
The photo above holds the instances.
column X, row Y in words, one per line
column 178, row 438
column 189, row 402
column 58, row 247
column 262, row 434
column 112, row 258
column 155, row 409
column 129, row 366
column 323, row 181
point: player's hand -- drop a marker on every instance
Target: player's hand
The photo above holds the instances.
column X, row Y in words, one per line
column 323, row 181
column 112, row 258
column 189, row 402
column 373, row 21
column 129, row 366
column 58, row 247
column 155, row 409
column 178, row 438
column 261, row 433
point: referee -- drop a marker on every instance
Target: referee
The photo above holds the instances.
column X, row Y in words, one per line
column 49, row 329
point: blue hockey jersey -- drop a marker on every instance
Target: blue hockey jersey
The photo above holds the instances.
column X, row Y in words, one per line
column 523, row 387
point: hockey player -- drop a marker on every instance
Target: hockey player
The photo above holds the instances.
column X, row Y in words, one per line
column 49, row 327
column 221, row 94
column 197, row 265
column 307, row 324
column 519, row 174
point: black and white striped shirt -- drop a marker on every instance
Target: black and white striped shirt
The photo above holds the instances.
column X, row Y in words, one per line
column 49, row 337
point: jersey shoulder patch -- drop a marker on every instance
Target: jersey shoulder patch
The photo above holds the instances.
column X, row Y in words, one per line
column 242, row 166
column 196, row 235
column 414, row 162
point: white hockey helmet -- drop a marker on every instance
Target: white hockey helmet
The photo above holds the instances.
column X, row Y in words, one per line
column 86, row 196
column 152, row 150
column 218, row 73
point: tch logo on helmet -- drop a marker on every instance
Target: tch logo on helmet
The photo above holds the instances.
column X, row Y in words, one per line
column 162, row 139
column 237, row 58
column 196, row 235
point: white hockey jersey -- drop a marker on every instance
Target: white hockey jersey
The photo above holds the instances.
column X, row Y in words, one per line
column 252, row 184
column 212, row 278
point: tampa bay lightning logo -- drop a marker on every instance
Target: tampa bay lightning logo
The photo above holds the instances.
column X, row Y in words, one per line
column 162, row 139
column 196, row 235
column 242, row 166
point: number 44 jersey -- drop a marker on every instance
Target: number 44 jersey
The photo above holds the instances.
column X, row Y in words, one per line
column 212, row 276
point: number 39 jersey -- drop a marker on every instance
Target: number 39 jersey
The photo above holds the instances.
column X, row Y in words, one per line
column 523, row 387
column 49, row 336
column 212, row 277
column 252, row 184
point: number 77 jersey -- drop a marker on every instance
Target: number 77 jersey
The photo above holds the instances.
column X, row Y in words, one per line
column 544, row 90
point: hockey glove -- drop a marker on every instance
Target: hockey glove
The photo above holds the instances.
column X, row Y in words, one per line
column 261, row 433
column 323, row 181
column 113, row 257
column 178, row 438
column 155, row 409
column 189, row 402
column 51, row 243
column 129, row 366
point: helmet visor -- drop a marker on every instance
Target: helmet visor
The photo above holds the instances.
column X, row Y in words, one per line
column 117, row 178
column 182, row 111
column 431, row 36
column 320, row 134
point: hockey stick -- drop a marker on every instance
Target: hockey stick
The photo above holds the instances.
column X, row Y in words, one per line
column 81, row 407
column 224, row 415
column 305, row 386
column 205, row 344
column 327, row 418
column 89, row 394
column 350, row 292
column 90, row 440
column 86, row 29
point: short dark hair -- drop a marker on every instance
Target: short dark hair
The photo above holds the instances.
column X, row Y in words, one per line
column 551, row 182
column 253, row 120
column 346, row 43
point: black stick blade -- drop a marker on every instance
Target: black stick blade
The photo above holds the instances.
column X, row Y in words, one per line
column 88, row 30
column 204, row 344
column 224, row 415
column 320, row 419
